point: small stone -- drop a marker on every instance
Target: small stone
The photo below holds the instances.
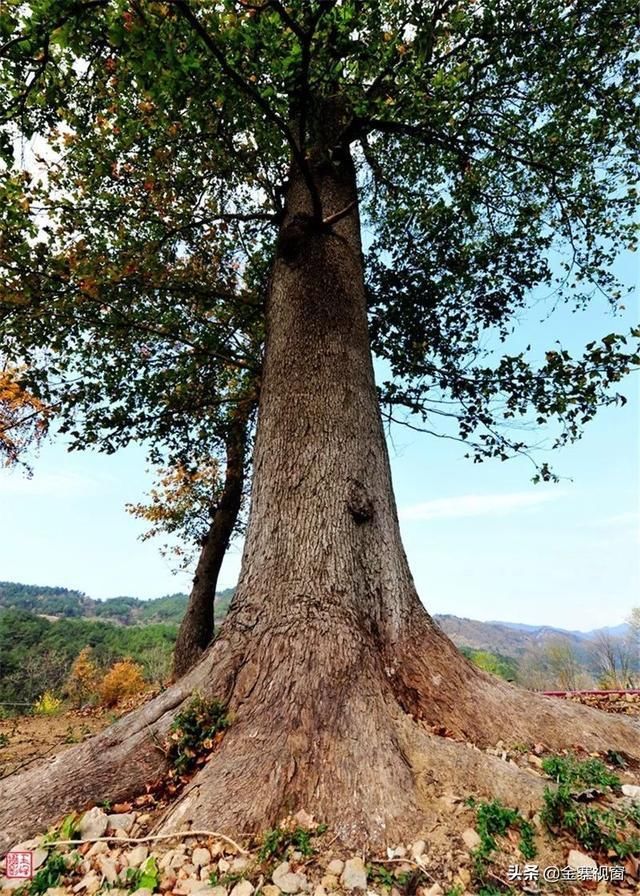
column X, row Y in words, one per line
column 123, row 821
column 288, row 880
column 55, row 891
column 632, row 790
column 335, row 866
column 578, row 859
column 11, row 883
column 220, row 891
column 93, row 824
column 354, row 876
column 91, row 883
column 464, row 876
column 164, row 861
column 108, row 868
column 224, row 866
column 319, row 891
column 142, row 891
column 217, row 849
column 136, row 856
column 435, row 890
column 200, row 856
column 178, row 860
column 418, row 848
column 242, row 888
column 241, row 863
column 168, row 882
column 270, row 890
column 471, row 839
column 305, row 820
column 329, row 882
column 98, row 849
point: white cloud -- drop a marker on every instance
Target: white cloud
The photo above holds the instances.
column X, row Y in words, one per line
column 477, row 505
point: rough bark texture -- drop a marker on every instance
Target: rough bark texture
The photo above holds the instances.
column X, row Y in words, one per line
column 196, row 629
column 332, row 669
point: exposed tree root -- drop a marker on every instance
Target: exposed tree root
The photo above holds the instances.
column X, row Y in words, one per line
column 359, row 758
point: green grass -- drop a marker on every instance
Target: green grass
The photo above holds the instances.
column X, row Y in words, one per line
column 193, row 731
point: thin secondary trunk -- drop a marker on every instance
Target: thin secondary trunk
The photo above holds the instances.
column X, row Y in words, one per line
column 335, row 676
column 196, row 629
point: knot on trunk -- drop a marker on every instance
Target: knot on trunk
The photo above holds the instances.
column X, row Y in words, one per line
column 293, row 237
column 359, row 504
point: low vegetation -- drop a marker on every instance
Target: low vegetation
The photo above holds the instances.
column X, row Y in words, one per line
column 195, row 732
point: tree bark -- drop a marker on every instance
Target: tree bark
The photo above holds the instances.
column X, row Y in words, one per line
column 197, row 627
column 334, row 674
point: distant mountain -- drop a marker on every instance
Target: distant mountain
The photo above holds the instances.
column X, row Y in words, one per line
column 63, row 603
column 507, row 639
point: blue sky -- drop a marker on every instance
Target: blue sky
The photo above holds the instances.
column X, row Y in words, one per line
column 482, row 541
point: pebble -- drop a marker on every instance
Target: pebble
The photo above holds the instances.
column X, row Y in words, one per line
column 354, row 876
column 123, row 821
column 240, row 864
column 224, row 866
column 418, row 848
column 319, row 891
column 329, row 882
column 631, row 790
column 142, row 891
column 242, row 888
column 90, row 882
column 108, row 868
column 136, row 856
column 435, row 890
column 288, row 880
column 221, row 891
column 578, row 859
column 335, row 866
column 471, row 838
column 93, row 824
column 270, row 890
column 200, row 856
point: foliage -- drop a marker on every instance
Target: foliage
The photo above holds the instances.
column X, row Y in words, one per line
column 503, row 666
column 181, row 504
column 123, row 680
column 384, row 877
column 47, row 705
column 493, row 820
column 145, row 877
column 82, row 681
column 24, row 419
column 497, row 161
column 571, row 807
column 277, row 841
column 195, row 730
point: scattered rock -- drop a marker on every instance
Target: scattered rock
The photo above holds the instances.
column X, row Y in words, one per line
column 136, row 856
column 471, row 838
column 221, row 891
column 224, row 866
column 240, row 864
column 107, row 866
column 632, row 790
column 354, row 876
column 168, row 882
column 335, row 866
column 418, row 848
column 200, row 857
column 329, row 882
column 93, row 824
column 91, row 883
column 142, row 891
column 270, row 890
column 242, row 888
column 580, row 860
column 435, row 890
column 319, row 891
column 288, row 880
column 123, row 821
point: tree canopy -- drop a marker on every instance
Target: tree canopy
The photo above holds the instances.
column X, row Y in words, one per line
column 146, row 151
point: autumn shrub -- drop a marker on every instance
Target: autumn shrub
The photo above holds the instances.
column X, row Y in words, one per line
column 47, row 705
column 124, row 679
column 83, row 679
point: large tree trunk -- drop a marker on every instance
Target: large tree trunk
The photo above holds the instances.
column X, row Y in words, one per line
column 332, row 669
column 196, row 629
